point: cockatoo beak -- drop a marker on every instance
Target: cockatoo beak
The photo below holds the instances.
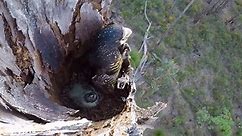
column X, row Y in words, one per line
column 126, row 33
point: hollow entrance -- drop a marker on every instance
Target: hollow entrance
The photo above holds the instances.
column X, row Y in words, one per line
column 77, row 71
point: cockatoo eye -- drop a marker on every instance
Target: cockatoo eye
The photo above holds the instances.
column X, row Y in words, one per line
column 84, row 96
column 91, row 97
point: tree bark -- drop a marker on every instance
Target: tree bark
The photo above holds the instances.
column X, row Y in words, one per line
column 38, row 42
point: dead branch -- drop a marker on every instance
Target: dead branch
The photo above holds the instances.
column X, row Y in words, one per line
column 143, row 47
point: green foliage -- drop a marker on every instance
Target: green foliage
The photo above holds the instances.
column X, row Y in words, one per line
column 159, row 133
column 135, row 58
column 167, row 68
column 179, row 120
column 239, row 132
column 203, row 116
column 158, row 81
column 216, row 73
column 181, row 75
column 238, row 2
column 238, row 6
column 196, row 8
column 189, row 93
column 135, row 7
column 222, row 86
column 223, row 121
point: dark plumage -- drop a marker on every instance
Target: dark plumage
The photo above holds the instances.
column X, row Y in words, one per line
column 84, row 95
column 105, row 57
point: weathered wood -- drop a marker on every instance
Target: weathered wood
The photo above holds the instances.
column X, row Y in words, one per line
column 35, row 38
column 38, row 42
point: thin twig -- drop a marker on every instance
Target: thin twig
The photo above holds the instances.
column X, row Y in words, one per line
column 177, row 19
column 143, row 47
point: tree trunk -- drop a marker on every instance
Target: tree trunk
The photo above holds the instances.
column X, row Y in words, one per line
column 41, row 43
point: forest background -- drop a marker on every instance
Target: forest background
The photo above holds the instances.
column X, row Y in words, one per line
column 194, row 51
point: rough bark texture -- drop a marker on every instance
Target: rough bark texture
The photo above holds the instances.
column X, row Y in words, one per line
column 39, row 42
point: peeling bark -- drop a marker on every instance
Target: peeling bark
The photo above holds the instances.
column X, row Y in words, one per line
column 40, row 43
